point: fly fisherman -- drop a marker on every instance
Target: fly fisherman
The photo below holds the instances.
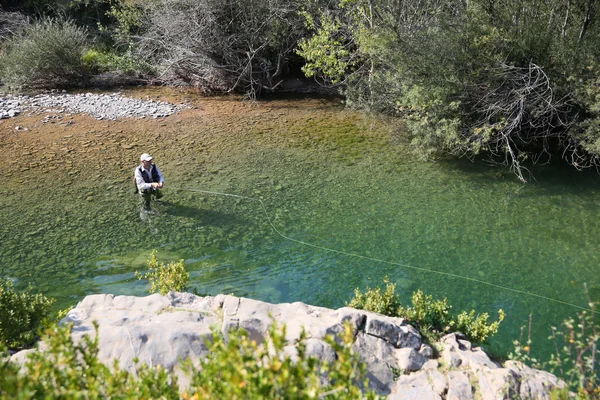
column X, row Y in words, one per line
column 148, row 180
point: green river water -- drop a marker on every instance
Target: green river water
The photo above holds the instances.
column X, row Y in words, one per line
column 330, row 180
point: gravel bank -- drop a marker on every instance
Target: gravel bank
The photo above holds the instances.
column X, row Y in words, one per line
column 102, row 106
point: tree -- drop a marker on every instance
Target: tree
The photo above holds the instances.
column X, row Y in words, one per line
column 502, row 78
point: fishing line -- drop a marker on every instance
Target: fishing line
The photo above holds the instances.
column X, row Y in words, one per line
column 377, row 260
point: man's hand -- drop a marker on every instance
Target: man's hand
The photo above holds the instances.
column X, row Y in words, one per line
column 155, row 185
column 160, row 185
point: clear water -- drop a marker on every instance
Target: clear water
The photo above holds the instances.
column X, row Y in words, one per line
column 320, row 184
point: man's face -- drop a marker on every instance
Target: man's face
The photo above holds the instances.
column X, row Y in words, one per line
column 147, row 164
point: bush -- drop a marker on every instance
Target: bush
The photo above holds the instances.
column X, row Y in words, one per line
column 235, row 368
column 241, row 45
column 433, row 317
column 72, row 371
column 231, row 370
column 386, row 302
column 427, row 313
column 21, row 315
column 172, row 277
column 46, row 54
column 576, row 359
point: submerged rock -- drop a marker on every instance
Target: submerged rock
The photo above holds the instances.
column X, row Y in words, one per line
column 163, row 330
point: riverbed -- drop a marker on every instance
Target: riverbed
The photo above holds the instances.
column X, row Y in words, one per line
column 287, row 200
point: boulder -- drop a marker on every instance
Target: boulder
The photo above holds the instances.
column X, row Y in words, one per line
column 164, row 330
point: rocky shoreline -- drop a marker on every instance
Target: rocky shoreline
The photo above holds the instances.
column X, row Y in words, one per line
column 101, row 106
column 163, row 330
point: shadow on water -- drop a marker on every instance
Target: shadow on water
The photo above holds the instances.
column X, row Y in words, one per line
column 547, row 177
column 208, row 216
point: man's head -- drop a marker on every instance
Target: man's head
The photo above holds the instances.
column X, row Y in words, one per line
column 146, row 160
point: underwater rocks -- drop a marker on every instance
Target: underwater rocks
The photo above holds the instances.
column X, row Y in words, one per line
column 165, row 329
column 101, row 106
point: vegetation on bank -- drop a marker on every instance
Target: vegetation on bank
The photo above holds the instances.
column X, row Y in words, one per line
column 433, row 317
column 231, row 370
column 576, row 357
column 165, row 278
column 22, row 315
column 71, row 370
column 516, row 81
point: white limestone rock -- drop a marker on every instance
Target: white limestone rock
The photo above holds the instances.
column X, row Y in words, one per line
column 164, row 330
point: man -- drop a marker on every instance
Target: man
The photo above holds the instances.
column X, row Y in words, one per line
column 148, row 180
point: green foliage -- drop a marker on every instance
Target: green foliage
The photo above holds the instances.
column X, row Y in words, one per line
column 325, row 52
column 172, row 277
column 576, row 359
column 432, row 316
column 474, row 77
column 427, row 313
column 235, row 368
column 46, row 54
column 384, row 302
column 476, row 326
column 21, row 315
column 96, row 60
column 71, row 370
column 128, row 16
column 231, row 370
column 60, row 314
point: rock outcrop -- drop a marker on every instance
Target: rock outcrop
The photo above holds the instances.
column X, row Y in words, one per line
column 162, row 330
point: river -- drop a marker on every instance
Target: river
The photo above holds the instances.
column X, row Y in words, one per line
column 329, row 200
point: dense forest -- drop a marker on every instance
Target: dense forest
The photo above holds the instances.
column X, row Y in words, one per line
column 513, row 80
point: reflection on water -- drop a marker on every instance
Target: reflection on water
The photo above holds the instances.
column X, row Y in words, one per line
column 365, row 197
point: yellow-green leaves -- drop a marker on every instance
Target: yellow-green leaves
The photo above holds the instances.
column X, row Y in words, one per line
column 172, row 277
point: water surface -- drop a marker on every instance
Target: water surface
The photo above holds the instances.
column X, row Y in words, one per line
column 325, row 177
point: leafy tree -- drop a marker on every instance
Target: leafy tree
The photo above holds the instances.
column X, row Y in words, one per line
column 502, row 78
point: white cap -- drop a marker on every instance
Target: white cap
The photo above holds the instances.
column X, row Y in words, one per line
column 145, row 157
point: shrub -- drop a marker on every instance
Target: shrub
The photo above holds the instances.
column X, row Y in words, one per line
column 21, row 315
column 72, row 371
column 235, row 368
column 11, row 23
column 433, row 317
column 96, row 61
column 576, row 359
column 383, row 302
column 45, row 54
column 475, row 326
column 172, row 277
column 231, row 370
column 427, row 313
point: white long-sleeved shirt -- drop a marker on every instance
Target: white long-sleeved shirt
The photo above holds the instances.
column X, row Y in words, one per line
column 139, row 179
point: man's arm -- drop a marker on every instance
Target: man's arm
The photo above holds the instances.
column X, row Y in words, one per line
column 161, row 178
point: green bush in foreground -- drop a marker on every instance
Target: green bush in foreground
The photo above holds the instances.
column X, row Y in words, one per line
column 72, row 371
column 172, row 277
column 433, row 317
column 45, row 55
column 236, row 368
column 576, row 358
column 21, row 315
column 231, row 370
